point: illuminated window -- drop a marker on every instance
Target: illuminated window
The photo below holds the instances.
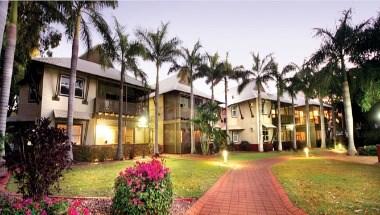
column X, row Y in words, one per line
column 77, row 132
column 234, row 111
column 265, row 134
column 64, row 86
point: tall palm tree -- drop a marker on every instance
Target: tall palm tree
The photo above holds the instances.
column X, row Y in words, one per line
column 7, row 72
column 211, row 69
column 305, row 79
column 80, row 14
column 336, row 46
column 292, row 89
column 125, row 53
column 260, row 73
column 228, row 72
column 159, row 49
column 3, row 18
column 192, row 60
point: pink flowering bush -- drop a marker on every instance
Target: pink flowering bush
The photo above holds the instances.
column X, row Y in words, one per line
column 47, row 206
column 145, row 188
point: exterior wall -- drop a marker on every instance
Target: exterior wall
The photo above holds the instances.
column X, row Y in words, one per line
column 27, row 111
column 160, row 119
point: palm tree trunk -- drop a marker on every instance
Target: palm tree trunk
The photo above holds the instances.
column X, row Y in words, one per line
column 7, row 79
column 156, row 106
column 348, row 112
column 226, row 106
column 308, row 143
column 259, row 130
column 279, row 121
column 294, row 126
column 212, row 92
column 3, row 18
column 322, row 123
column 192, row 141
column 333, row 124
column 73, row 77
column 119, row 151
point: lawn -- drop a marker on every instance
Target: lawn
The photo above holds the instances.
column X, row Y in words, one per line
column 191, row 176
column 322, row 186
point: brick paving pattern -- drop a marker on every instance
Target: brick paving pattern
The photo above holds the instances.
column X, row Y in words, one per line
column 249, row 190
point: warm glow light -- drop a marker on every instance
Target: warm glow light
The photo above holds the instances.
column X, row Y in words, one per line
column 225, row 155
column 306, row 150
column 105, row 133
column 143, row 122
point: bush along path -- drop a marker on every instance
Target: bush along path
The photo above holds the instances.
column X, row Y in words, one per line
column 249, row 190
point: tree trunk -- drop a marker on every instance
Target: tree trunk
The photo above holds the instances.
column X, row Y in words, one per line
column 6, row 80
column 333, row 124
column 279, row 121
column 308, row 143
column 212, row 92
column 119, row 151
column 259, row 130
column 226, row 106
column 73, row 77
column 3, row 18
column 322, row 123
column 348, row 112
column 192, row 141
column 294, row 126
column 156, row 106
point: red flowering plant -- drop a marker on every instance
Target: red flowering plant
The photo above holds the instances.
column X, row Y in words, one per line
column 145, row 188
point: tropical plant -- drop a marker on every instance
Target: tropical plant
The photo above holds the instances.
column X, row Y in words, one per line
column 227, row 72
column 336, row 46
column 205, row 120
column 159, row 49
column 6, row 79
column 27, row 157
column 280, row 79
column 260, row 73
column 125, row 53
column 292, row 88
column 210, row 69
column 79, row 15
column 192, row 60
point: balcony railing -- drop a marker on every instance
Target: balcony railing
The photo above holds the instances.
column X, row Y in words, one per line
column 285, row 119
column 112, row 106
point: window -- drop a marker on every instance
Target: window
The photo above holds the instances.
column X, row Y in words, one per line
column 235, row 137
column 77, row 132
column 265, row 134
column 233, row 111
column 64, row 86
column 32, row 95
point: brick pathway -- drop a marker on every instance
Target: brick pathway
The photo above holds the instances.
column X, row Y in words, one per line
column 250, row 190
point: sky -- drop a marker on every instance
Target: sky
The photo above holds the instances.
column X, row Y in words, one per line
column 284, row 28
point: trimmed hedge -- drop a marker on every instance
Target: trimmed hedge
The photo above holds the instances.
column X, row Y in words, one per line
column 368, row 150
column 91, row 153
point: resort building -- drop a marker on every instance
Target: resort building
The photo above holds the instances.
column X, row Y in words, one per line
column 174, row 114
column 44, row 93
column 242, row 117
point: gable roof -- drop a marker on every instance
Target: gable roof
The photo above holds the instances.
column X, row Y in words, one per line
column 89, row 68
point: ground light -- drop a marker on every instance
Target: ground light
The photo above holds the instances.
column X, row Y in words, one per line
column 306, row 150
column 225, row 155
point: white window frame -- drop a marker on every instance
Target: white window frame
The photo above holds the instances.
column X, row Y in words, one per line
column 234, row 111
column 235, row 137
column 265, row 136
column 68, row 77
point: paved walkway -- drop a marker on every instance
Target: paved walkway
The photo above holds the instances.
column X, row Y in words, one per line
column 249, row 190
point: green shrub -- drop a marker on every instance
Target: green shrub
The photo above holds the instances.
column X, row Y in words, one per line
column 368, row 150
column 145, row 188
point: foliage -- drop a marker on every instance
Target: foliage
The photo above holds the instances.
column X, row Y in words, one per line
column 207, row 116
column 46, row 206
column 368, row 150
column 244, row 146
column 220, row 139
column 38, row 157
column 145, row 188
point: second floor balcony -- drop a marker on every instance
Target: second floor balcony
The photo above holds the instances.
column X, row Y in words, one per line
column 103, row 105
column 285, row 119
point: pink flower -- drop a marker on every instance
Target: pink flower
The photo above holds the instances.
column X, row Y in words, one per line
column 43, row 212
column 28, row 212
column 27, row 201
column 17, row 206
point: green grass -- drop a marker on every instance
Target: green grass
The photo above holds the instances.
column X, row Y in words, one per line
column 191, row 176
column 322, row 186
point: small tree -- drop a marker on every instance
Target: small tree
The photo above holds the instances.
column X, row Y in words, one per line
column 37, row 157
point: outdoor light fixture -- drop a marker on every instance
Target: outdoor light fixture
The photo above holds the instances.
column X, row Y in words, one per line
column 306, row 150
column 225, row 155
column 143, row 122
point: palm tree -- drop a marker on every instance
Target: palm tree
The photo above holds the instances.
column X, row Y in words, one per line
column 125, row 53
column 3, row 18
column 77, row 28
column 192, row 60
column 7, row 71
column 292, row 89
column 228, row 72
column 211, row 69
column 336, row 46
column 158, row 49
column 260, row 73
column 305, row 78
column 280, row 78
